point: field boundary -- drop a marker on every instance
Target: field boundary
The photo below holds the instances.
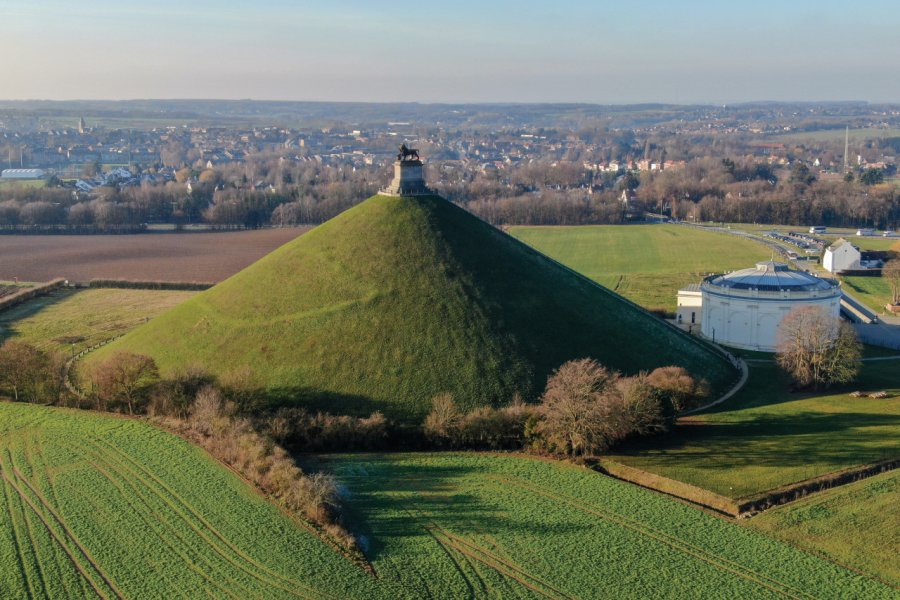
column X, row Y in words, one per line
column 748, row 506
column 187, row 286
column 33, row 292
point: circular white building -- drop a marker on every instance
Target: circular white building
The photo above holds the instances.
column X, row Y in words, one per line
column 745, row 308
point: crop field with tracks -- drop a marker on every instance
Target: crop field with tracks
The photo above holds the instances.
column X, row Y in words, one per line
column 854, row 524
column 476, row 525
column 96, row 506
column 645, row 263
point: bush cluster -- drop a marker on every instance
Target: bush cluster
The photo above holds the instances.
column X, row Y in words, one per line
column 585, row 409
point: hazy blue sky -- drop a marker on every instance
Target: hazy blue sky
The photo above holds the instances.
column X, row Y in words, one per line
column 459, row 51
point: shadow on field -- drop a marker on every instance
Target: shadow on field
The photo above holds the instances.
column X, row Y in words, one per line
column 27, row 309
column 784, row 440
column 336, row 403
column 395, row 506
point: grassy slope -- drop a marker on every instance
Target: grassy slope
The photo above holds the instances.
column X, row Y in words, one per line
column 399, row 299
column 645, row 263
column 447, row 523
column 84, row 317
column 854, row 524
column 874, row 292
column 766, row 437
column 153, row 515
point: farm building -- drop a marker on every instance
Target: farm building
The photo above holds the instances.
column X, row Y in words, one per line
column 841, row 256
column 745, row 308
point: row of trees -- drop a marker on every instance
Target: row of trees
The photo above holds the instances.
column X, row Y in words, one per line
column 585, row 409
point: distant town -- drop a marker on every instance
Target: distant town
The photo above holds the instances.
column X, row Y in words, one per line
column 128, row 165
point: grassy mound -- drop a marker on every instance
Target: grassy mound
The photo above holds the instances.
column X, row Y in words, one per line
column 399, row 299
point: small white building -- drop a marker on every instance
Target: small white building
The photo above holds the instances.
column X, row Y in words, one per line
column 744, row 309
column 865, row 231
column 841, row 256
column 689, row 313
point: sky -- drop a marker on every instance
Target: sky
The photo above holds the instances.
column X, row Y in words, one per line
column 600, row 51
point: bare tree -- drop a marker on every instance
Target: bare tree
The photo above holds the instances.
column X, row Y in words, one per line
column 816, row 349
column 891, row 272
column 579, row 408
column 444, row 417
column 24, row 369
column 124, row 378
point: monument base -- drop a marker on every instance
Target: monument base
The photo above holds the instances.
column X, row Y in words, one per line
column 408, row 180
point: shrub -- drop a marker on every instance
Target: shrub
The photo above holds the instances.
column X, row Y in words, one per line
column 443, row 420
column 30, row 374
column 577, row 408
column 125, row 379
column 678, row 387
column 303, row 431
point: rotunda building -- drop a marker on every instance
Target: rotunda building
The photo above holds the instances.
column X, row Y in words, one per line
column 745, row 308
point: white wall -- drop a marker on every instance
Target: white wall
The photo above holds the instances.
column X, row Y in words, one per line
column 752, row 323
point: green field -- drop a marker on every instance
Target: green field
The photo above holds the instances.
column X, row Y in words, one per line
column 766, row 437
column 84, row 317
column 96, row 505
column 645, row 263
column 875, row 292
column 399, row 299
column 855, row 524
column 24, row 183
column 870, row 243
column 100, row 506
column 475, row 525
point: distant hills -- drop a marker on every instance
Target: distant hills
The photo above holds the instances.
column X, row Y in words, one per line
column 399, row 299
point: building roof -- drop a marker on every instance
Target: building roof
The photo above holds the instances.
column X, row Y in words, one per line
column 838, row 243
column 771, row 276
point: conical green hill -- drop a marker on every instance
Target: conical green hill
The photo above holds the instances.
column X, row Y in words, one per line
column 399, row 299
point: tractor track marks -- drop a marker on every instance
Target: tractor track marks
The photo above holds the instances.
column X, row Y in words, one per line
column 217, row 542
column 680, row 545
column 81, row 559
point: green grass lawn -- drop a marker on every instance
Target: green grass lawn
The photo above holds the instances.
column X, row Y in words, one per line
column 100, row 506
column 874, row 292
column 868, row 243
column 478, row 526
column 84, row 317
column 766, row 437
column 22, row 183
column 854, row 524
column 645, row 263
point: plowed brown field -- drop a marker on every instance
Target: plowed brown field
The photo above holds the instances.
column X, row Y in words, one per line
column 206, row 257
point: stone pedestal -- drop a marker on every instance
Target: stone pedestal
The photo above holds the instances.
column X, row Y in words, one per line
column 409, row 179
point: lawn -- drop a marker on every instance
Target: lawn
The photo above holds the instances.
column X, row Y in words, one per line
column 84, row 317
column 8, row 184
column 766, row 437
column 864, row 243
column 476, row 525
column 645, row 263
column 874, row 292
column 854, row 524
column 95, row 505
